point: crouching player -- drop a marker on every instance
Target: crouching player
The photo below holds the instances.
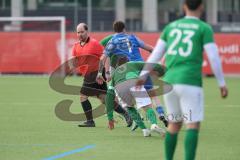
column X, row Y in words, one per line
column 123, row 80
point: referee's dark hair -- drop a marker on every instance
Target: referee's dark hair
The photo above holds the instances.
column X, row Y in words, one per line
column 193, row 4
column 118, row 26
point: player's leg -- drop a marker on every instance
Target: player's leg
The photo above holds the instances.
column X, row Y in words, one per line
column 117, row 107
column 110, row 101
column 150, row 114
column 193, row 112
column 137, row 119
column 160, row 110
column 87, row 108
column 124, row 113
column 191, row 140
column 144, row 102
column 126, row 100
column 172, row 103
column 128, row 104
column 90, row 88
column 149, row 87
column 171, row 139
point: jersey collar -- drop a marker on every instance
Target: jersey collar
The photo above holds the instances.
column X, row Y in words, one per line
column 83, row 43
column 191, row 17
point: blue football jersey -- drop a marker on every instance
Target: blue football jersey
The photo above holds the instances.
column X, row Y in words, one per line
column 125, row 44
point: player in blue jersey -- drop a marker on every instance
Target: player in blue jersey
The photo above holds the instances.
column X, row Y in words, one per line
column 125, row 45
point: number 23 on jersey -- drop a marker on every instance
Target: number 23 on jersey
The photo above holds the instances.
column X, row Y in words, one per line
column 183, row 37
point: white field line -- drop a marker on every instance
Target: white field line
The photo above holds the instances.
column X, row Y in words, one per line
column 225, row 105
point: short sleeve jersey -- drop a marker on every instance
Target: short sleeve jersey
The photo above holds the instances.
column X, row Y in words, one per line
column 105, row 40
column 185, row 39
column 88, row 55
column 124, row 44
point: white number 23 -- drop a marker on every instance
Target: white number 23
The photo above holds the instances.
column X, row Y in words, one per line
column 181, row 37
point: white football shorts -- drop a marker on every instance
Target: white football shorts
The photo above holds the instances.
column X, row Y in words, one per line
column 184, row 104
column 128, row 95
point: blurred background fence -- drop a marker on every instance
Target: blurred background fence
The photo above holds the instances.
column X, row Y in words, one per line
column 38, row 47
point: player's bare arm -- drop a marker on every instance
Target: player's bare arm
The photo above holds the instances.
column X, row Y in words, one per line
column 147, row 47
column 107, row 70
column 99, row 77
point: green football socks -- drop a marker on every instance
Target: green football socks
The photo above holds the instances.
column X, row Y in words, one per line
column 109, row 100
column 136, row 117
column 190, row 144
column 151, row 116
column 170, row 145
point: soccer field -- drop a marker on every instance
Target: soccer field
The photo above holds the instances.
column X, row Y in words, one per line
column 31, row 131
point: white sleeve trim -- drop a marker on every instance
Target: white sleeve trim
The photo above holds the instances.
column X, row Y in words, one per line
column 214, row 59
column 157, row 52
column 155, row 56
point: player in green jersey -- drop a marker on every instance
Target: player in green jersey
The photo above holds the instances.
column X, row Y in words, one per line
column 124, row 80
column 183, row 42
column 105, row 40
column 110, row 92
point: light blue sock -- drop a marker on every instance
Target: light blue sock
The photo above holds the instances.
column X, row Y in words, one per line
column 160, row 110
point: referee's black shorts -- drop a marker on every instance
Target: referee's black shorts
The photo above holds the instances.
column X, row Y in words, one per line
column 90, row 87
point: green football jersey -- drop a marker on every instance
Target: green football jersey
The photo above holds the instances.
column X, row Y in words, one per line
column 131, row 70
column 105, row 40
column 185, row 39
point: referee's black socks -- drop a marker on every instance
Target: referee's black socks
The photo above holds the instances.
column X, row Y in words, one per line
column 87, row 108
